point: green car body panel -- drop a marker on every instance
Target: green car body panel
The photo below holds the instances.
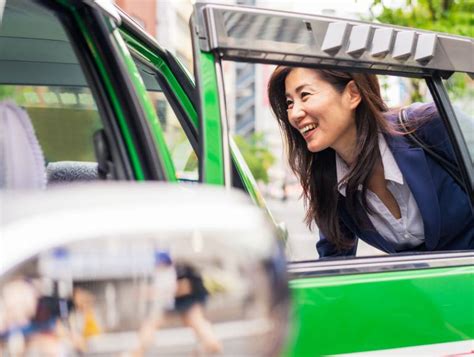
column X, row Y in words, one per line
column 367, row 312
column 211, row 131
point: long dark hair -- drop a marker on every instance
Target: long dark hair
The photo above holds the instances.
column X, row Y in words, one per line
column 317, row 171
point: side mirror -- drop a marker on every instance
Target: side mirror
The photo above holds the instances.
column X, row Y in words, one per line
column 139, row 269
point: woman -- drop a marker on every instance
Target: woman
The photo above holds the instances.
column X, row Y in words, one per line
column 361, row 177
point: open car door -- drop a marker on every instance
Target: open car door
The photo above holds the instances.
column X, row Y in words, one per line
column 407, row 303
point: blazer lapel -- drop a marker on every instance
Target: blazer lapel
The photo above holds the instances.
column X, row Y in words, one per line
column 414, row 167
column 370, row 235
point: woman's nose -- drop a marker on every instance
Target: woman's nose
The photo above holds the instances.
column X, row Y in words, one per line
column 296, row 114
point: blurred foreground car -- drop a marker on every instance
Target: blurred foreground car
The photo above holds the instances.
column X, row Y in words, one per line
column 130, row 269
column 108, row 103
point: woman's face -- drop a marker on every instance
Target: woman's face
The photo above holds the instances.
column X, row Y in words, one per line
column 324, row 117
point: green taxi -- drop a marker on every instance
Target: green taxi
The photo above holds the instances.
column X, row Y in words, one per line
column 107, row 102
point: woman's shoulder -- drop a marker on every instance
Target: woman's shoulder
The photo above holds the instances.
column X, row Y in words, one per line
column 422, row 118
column 425, row 121
column 422, row 113
column 416, row 112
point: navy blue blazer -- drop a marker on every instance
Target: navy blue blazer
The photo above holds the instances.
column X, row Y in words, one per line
column 444, row 206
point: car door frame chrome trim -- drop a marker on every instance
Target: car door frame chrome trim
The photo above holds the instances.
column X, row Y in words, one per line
column 379, row 264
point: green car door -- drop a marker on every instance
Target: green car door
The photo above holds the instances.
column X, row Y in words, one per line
column 412, row 303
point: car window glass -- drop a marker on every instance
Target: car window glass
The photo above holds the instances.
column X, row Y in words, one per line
column 460, row 88
column 182, row 153
column 40, row 72
column 64, row 118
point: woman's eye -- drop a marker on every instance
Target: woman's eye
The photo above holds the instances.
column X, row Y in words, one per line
column 304, row 94
column 289, row 104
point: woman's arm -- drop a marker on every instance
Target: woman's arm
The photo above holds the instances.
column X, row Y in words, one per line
column 326, row 249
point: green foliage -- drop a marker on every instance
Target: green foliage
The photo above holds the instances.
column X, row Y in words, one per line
column 452, row 16
column 256, row 154
column 7, row 92
column 191, row 163
column 415, row 95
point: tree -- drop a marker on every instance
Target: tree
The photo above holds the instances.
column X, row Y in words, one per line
column 256, row 154
column 451, row 16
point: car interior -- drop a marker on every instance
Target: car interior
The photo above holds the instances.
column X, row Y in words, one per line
column 42, row 75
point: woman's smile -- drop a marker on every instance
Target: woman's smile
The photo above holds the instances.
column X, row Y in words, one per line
column 308, row 130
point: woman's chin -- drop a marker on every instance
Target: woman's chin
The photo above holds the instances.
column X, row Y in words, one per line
column 313, row 147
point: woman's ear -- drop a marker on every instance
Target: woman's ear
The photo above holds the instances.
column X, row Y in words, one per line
column 352, row 94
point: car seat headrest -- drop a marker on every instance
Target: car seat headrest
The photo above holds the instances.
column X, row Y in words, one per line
column 22, row 164
column 72, row 171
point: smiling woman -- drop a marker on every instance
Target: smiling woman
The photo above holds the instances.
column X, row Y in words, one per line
column 358, row 176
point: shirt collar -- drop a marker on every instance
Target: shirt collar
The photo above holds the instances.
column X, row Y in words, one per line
column 391, row 170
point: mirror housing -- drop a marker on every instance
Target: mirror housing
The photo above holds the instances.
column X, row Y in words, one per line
column 130, row 268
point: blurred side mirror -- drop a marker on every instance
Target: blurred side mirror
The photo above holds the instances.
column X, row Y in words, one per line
column 140, row 270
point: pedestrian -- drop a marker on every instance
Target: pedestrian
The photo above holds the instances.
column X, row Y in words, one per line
column 161, row 295
column 362, row 177
column 191, row 296
column 177, row 287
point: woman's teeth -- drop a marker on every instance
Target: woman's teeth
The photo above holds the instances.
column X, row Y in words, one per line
column 307, row 128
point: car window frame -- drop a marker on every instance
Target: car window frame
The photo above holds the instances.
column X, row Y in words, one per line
column 146, row 48
column 445, row 108
column 102, row 36
column 173, row 101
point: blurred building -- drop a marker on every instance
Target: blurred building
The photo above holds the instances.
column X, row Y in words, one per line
column 245, row 90
column 167, row 21
column 173, row 29
column 142, row 11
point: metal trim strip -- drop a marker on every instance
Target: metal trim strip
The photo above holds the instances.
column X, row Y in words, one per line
column 379, row 264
